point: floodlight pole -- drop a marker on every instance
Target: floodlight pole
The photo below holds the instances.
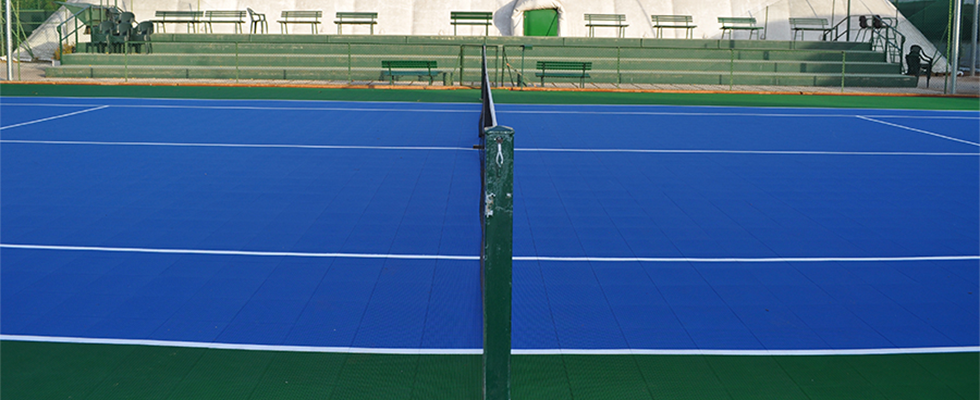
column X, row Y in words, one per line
column 973, row 42
column 10, row 44
column 955, row 36
column 848, row 20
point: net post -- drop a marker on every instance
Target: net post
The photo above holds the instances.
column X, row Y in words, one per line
column 498, row 225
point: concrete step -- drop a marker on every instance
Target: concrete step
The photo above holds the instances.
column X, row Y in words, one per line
column 452, row 62
column 510, row 41
column 374, row 74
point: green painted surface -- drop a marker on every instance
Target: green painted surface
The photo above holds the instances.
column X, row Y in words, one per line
column 500, row 96
column 541, row 22
column 86, row 371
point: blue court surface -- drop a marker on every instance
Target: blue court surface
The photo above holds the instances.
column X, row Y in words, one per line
column 355, row 226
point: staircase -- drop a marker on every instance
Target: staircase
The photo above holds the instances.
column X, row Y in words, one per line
column 356, row 58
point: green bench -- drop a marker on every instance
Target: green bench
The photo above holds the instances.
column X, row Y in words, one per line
column 673, row 22
column 801, row 25
column 732, row 24
column 224, row 17
column 564, row 69
column 300, row 17
column 356, row 18
column 191, row 18
column 471, row 18
column 419, row 68
column 606, row 20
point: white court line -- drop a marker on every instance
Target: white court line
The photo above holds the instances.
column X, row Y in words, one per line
column 258, row 108
column 918, row 130
column 54, row 117
column 596, row 352
column 742, row 259
column 237, row 346
column 504, row 111
column 710, row 352
column 543, row 150
column 761, row 152
column 476, row 258
column 231, row 145
column 714, row 114
column 241, row 253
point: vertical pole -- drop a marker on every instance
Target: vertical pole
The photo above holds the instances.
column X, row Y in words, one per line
column 125, row 63
column 973, row 41
column 954, row 36
column 731, row 71
column 498, row 223
column 236, row 61
column 843, row 66
column 848, row 20
column 350, row 76
column 765, row 29
column 833, row 5
column 10, row 43
column 619, row 73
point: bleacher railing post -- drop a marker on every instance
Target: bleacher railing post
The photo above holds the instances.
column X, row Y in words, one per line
column 843, row 66
column 731, row 71
column 498, row 222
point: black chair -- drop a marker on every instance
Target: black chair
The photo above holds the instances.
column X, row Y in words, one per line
column 918, row 63
column 120, row 36
column 141, row 36
column 106, row 30
column 258, row 22
column 126, row 18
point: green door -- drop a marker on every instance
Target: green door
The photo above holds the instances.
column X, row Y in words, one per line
column 541, row 22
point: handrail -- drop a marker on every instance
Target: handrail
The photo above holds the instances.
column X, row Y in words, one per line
column 83, row 8
column 840, row 29
column 891, row 42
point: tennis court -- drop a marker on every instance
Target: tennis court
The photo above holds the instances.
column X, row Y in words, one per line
column 328, row 227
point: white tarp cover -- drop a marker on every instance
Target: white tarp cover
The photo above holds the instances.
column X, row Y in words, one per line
column 431, row 17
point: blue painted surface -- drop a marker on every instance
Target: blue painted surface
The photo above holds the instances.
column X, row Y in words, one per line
column 424, row 201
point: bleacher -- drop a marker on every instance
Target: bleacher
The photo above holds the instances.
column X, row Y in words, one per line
column 630, row 60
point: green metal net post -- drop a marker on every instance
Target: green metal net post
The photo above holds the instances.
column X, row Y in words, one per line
column 498, row 222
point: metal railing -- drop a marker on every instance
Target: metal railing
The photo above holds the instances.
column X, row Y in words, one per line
column 879, row 31
column 90, row 16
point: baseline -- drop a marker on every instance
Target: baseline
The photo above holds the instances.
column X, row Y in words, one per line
column 474, row 258
column 542, row 150
column 232, row 145
column 463, row 351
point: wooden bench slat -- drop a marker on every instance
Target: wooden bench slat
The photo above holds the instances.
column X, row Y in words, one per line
column 606, row 20
column 674, row 22
column 311, row 17
column 802, row 25
column 191, row 18
column 390, row 65
column 732, row 24
column 548, row 67
column 476, row 18
column 356, row 18
column 224, row 17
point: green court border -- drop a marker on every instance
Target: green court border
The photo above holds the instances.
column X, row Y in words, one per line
column 34, row 370
column 466, row 95
column 37, row 370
